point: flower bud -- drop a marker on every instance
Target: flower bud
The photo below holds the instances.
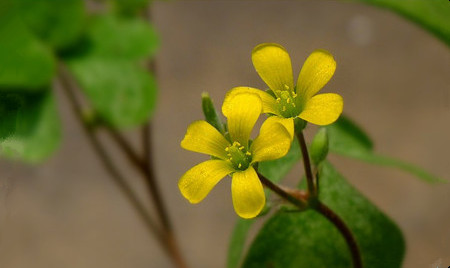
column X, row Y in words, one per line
column 319, row 147
column 210, row 113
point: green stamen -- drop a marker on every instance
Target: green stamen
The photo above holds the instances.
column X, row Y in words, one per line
column 286, row 104
column 239, row 156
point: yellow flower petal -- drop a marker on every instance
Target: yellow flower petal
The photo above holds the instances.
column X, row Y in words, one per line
column 317, row 70
column 248, row 194
column 323, row 109
column 201, row 137
column 273, row 64
column 288, row 123
column 269, row 104
column 242, row 111
column 197, row 182
column 273, row 142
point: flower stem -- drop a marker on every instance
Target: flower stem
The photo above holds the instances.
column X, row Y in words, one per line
column 149, row 173
column 301, row 201
column 165, row 237
column 69, row 87
column 313, row 188
column 153, row 187
column 307, row 164
column 146, row 169
column 298, row 201
column 149, row 170
column 344, row 230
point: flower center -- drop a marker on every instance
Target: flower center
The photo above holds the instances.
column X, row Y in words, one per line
column 239, row 156
column 288, row 103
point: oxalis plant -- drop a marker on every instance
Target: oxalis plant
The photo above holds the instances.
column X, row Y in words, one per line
column 101, row 59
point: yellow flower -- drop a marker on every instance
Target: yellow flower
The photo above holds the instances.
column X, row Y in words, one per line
column 273, row 65
column 233, row 154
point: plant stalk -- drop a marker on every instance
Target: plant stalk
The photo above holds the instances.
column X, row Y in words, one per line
column 307, row 164
column 164, row 237
column 301, row 203
column 344, row 230
column 155, row 193
column 316, row 204
column 68, row 88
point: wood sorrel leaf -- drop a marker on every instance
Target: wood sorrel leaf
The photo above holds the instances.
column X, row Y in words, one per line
column 274, row 170
column 120, row 89
column 348, row 139
column 57, row 23
column 431, row 15
column 30, row 130
column 131, row 6
column 237, row 241
column 308, row 240
column 129, row 38
column 25, row 63
column 123, row 93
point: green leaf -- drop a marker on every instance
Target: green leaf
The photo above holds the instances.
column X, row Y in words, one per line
column 58, row 23
column 401, row 165
column 433, row 15
column 30, row 128
column 123, row 93
column 347, row 139
column 274, row 170
column 25, row 63
column 131, row 6
column 307, row 239
column 237, row 242
column 122, row 38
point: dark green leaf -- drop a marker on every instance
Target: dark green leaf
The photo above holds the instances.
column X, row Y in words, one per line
column 308, row 240
column 30, row 129
column 395, row 163
column 274, row 170
column 122, row 38
column 123, row 93
column 131, row 6
column 432, row 15
column 237, row 242
column 347, row 139
column 24, row 61
column 58, row 23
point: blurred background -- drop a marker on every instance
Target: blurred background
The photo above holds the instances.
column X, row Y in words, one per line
column 395, row 81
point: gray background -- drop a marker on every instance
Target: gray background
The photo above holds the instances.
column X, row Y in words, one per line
column 395, row 83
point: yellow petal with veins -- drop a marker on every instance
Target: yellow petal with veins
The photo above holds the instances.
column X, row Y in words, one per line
column 269, row 104
column 201, row 137
column 288, row 123
column 248, row 194
column 273, row 142
column 273, row 64
column 242, row 112
column 197, row 182
column 317, row 70
column 323, row 109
